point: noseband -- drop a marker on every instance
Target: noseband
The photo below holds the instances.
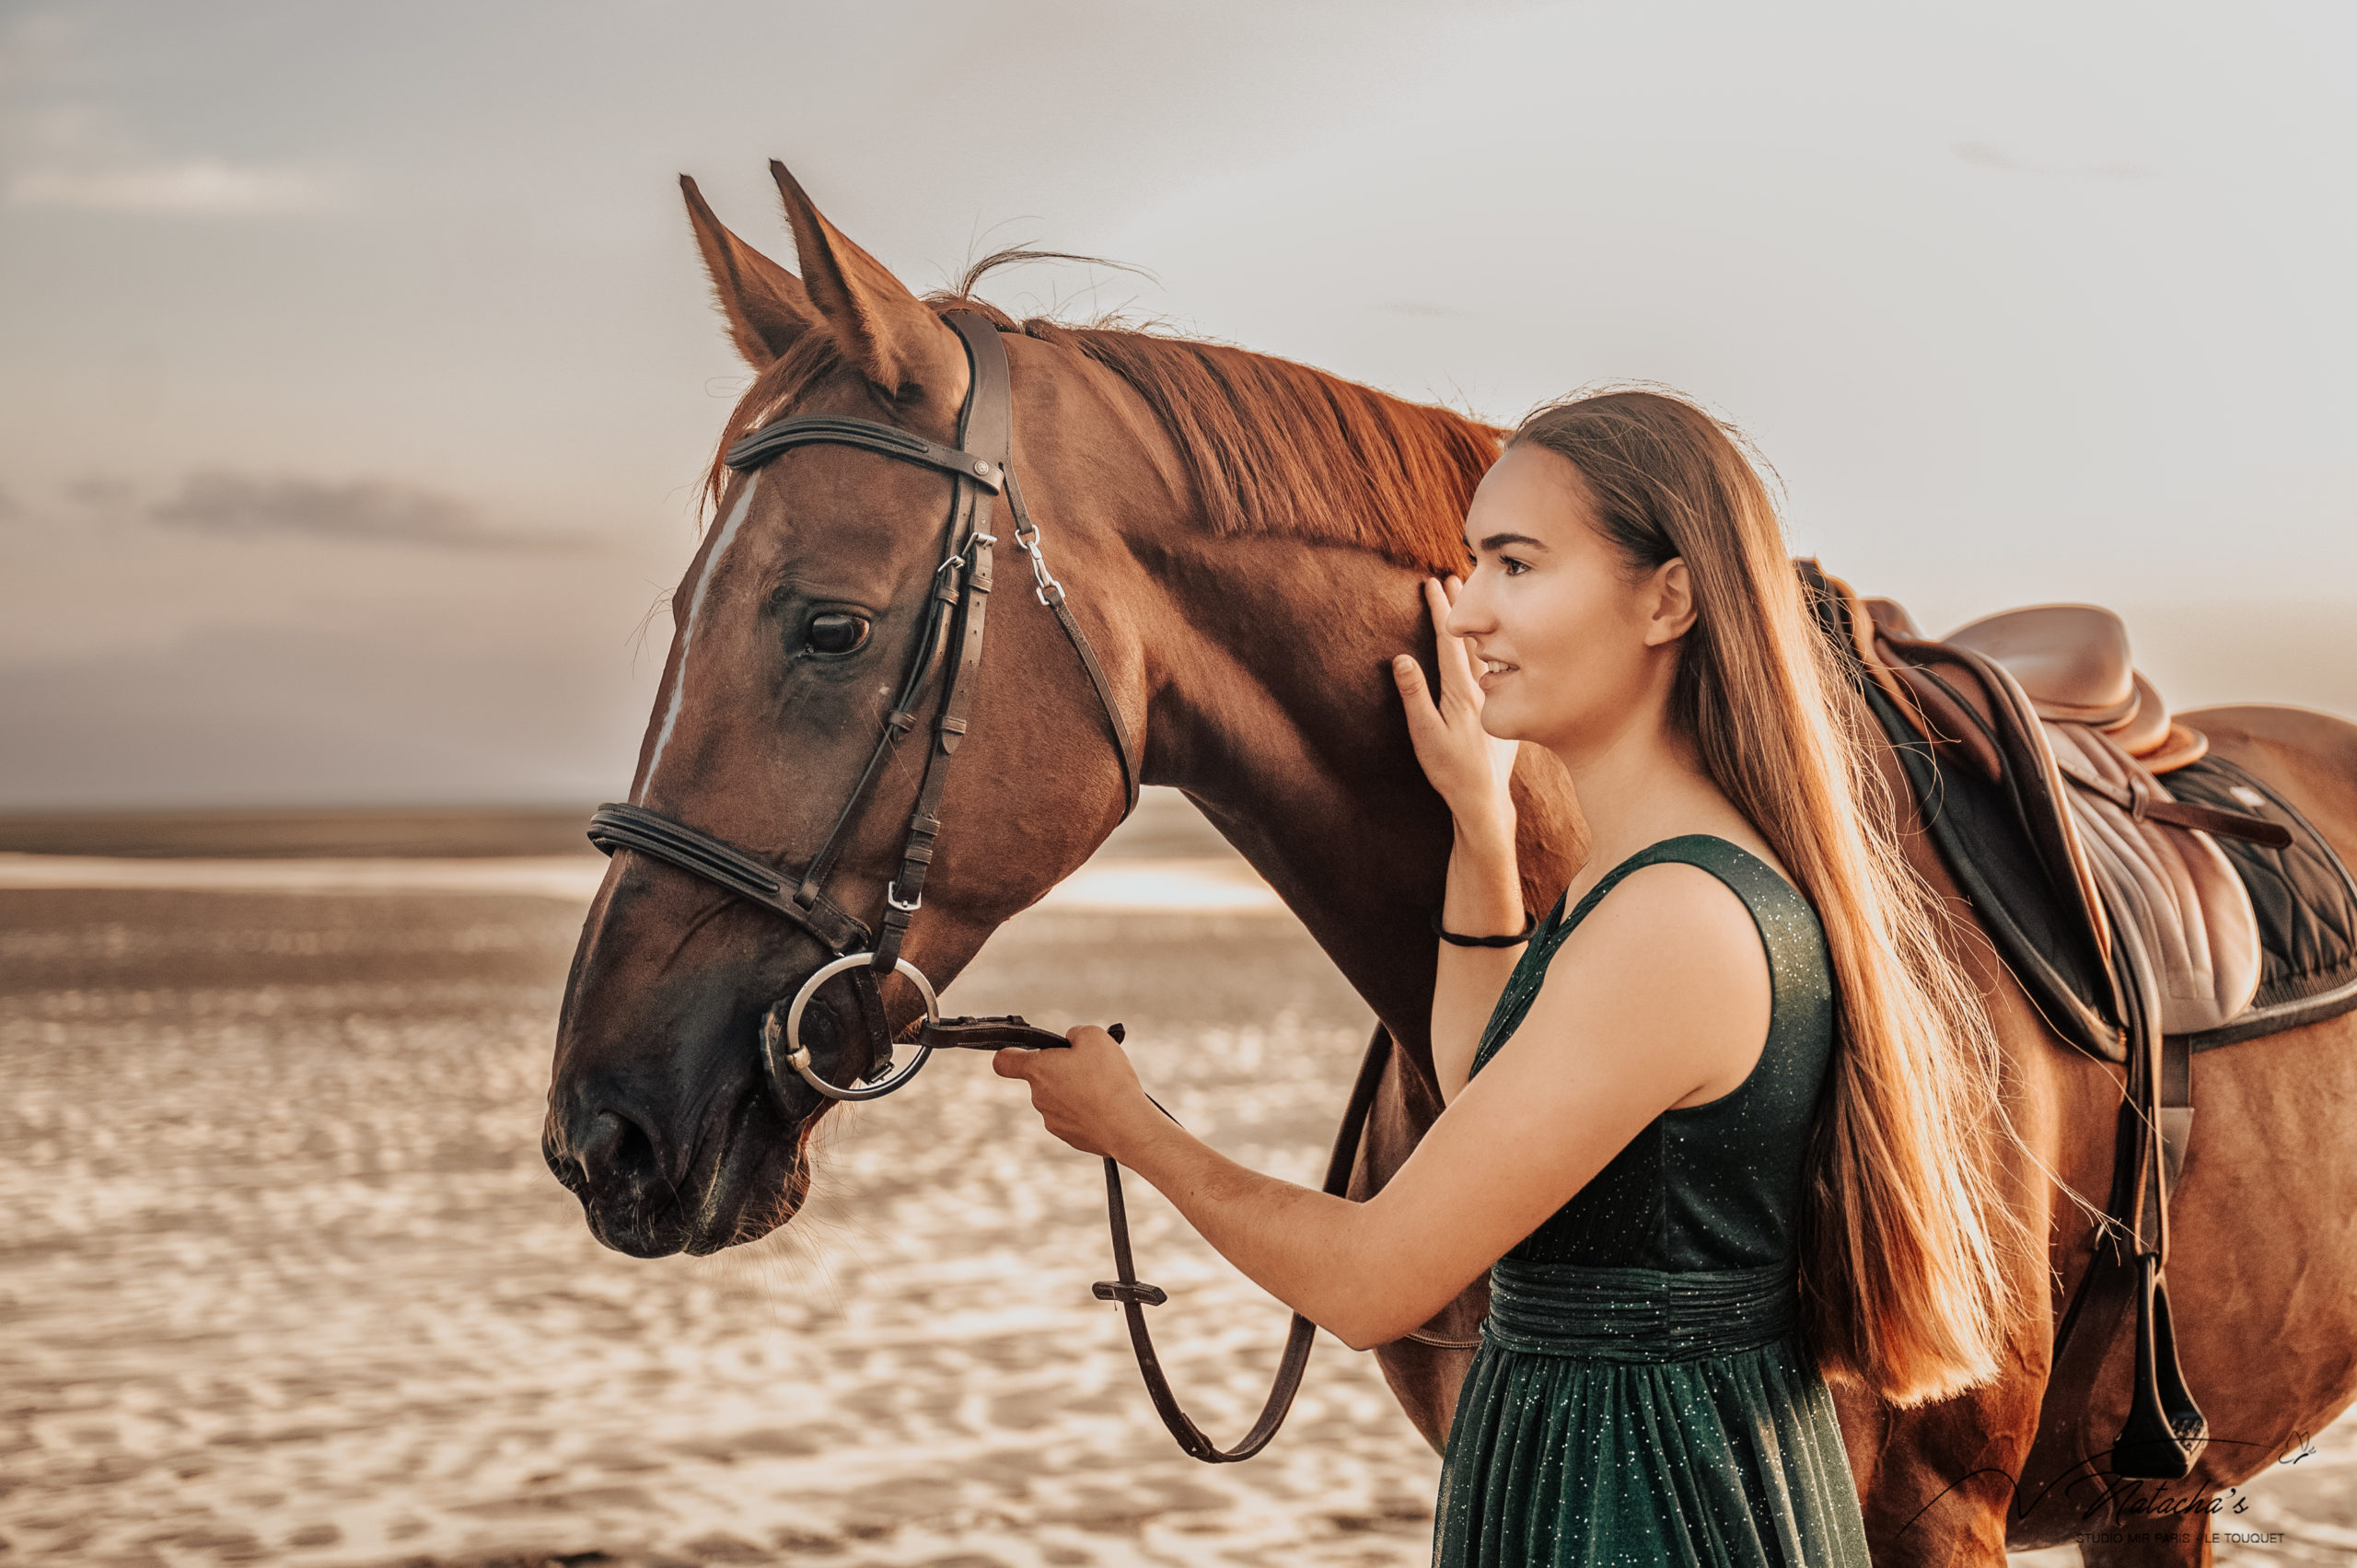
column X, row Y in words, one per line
column 955, row 611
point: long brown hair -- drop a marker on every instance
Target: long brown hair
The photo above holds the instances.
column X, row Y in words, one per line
column 1909, row 1255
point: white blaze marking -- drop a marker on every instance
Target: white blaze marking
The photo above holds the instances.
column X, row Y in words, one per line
column 688, row 636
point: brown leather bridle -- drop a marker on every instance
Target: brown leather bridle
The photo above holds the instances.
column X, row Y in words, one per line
column 955, row 613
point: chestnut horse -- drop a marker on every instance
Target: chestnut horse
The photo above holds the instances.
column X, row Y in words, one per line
column 1242, row 539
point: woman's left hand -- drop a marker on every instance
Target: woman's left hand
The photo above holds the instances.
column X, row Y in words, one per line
column 1088, row 1095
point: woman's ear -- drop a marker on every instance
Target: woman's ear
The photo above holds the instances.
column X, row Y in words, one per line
column 1669, row 607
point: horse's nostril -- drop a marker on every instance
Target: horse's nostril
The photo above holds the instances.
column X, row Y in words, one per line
column 612, row 1144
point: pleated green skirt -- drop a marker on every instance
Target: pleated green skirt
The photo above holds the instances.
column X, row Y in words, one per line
column 1644, row 1417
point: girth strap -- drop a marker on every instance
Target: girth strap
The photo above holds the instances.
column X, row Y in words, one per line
column 2165, row 1431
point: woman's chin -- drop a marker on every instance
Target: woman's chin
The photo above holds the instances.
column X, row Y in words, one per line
column 1504, row 722
column 1499, row 721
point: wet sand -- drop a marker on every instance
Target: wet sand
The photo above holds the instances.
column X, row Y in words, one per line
column 285, row 1280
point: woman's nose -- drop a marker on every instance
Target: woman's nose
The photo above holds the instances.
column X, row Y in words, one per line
column 1467, row 617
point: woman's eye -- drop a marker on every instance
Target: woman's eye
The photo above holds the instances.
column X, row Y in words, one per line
column 1514, row 568
column 834, row 632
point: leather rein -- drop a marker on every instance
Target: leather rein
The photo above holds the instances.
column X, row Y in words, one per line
column 955, row 615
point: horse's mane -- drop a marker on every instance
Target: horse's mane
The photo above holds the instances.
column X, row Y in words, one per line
column 1271, row 446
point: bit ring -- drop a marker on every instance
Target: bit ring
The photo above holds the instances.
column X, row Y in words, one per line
column 797, row 1056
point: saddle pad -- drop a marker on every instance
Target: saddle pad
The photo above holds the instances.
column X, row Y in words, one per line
column 1976, row 823
column 2305, row 900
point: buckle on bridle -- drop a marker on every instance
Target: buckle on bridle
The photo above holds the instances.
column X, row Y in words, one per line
column 958, row 560
column 1027, row 540
column 892, row 896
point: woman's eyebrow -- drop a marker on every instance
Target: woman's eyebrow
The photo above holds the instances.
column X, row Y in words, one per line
column 1505, row 540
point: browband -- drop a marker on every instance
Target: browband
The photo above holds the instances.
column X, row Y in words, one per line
column 835, row 430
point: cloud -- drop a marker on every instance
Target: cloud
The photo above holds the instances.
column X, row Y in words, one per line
column 1988, row 155
column 66, row 150
column 197, row 185
column 362, row 512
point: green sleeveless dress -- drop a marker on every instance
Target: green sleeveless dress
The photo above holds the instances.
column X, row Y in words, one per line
column 1640, row 1395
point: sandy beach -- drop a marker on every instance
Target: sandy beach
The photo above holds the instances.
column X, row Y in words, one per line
column 285, row 1280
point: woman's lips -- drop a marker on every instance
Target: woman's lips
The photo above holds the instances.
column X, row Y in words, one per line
column 1494, row 669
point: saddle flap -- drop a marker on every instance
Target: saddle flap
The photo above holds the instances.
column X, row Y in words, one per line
column 2173, row 882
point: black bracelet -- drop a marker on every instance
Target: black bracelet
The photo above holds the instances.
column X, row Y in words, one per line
column 1519, row 938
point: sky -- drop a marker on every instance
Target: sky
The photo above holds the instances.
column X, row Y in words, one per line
column 357, row 372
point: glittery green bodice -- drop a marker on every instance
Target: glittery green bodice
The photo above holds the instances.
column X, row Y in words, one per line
column 1641, row 1395
column 1710, row 1186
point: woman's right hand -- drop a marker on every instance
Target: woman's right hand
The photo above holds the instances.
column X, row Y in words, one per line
column 1466, row 764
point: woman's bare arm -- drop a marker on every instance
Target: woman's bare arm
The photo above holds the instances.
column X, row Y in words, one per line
column 1484, row 898
column 1668, row 992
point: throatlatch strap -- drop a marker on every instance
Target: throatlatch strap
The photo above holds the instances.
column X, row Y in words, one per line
column 1052, row 594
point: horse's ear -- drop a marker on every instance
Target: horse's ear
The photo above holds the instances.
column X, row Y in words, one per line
column 766, row 306
column 897, row 342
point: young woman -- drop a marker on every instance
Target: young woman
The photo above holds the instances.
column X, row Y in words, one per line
column 1713, row 1128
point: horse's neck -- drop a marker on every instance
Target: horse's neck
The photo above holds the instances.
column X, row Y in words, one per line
column 1271, row 698
column 1280, row 720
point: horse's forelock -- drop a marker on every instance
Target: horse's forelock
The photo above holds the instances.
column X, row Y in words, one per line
column 813, row 357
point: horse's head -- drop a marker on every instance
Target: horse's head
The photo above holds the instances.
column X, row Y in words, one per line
column 797, row 628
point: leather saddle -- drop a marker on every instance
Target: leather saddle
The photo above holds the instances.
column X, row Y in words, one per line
column 2050, row 690
column 2036, row 753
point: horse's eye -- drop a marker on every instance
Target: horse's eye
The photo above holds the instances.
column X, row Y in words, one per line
column 835, row 633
